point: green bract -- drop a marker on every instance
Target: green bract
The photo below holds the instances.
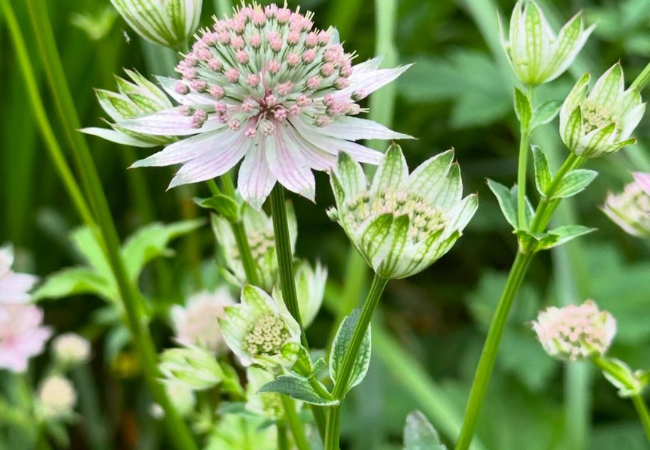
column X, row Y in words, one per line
column 132, row 100
column 600, row 123
column 192, row 367
column 535, row 53
column 260, row 330
column 401, row 223
column 310, row 287
column 166, row 22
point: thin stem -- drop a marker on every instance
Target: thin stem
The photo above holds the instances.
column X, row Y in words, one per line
column 522, row 171
column 491, row 348
column 96, row 426
column 333, row 429
column 644, row 415
column 143, row 341
column 642, row 80
column 293, row 421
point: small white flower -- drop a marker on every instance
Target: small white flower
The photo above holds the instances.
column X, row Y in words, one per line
column 70, row 349
column 132, row 100
column 630, row 209
column 575, row 333
column 535, row 53
column 166, row 22
column 310, row 287
column 402, row 223
column 57, row 398
column 14, row 287
column 260, row 330
column 259, row 232
column 197, row 324
column 192, row 367
column 602, row 122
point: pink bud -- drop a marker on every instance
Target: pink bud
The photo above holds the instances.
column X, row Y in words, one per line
column 232, row 75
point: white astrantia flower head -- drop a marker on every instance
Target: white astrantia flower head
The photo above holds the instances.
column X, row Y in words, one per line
column 310, row 288
column 22, row 335
column 134, row 99
column 600, row 123
column 265, row 404
column 71, row 349
column 630, row 209
column 57, row 398
column 192, row 367
column 402, row 223
column 14, row 287
column 259, row 231
column 260, row 330
column 575, row 333
column 537, row 55
column 170, row 23
column 197, row 323
column 267, row 87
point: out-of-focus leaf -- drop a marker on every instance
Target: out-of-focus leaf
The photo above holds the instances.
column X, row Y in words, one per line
column 419, row 434
column 75, row 281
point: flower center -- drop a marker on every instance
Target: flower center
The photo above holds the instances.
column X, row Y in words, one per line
column 595, row 116
column 265, row 65
column 266, row 336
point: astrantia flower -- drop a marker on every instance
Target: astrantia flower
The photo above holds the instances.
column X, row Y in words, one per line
column 197, row 323
column 193, row 367
column 535, row 53
column 165, row 22
column 575, row 333
column 310, row 288
column 259, row 231
column 57, row 398
column 132, row 100
column 630, row 209
column 602, row 122
column 402, row 223
column 14, row 287
column 21, row 335
column 70, row 349
column 260, row 330
column 267, row 87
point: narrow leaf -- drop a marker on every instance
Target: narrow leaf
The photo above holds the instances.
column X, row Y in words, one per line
column 544, row 113
column 574, row 182
column 342, row 342
column 419, row 434
column 542, row 171
column 507, row 202
column 298, row 389
column 523, row 109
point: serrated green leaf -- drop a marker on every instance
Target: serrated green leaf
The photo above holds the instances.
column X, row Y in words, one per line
column 340, row 347
column 544, row 113
column 225, row 206
column 574, row 182
column 543, row 174
column 297, row 388
column 523, row 109
column 507, row 202
column 419, row 434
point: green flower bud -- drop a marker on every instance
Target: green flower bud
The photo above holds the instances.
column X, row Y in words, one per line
column 192, row 367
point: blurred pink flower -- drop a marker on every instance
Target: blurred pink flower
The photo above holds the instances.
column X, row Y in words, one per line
column 14, row 287
column 21, row 335
column 197, row 324
column 643, row 180
column 267, row 87
column 630, row 209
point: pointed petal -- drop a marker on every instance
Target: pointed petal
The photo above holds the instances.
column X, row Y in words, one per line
column 392, row 172
column 117, row 137
column 366, row 83
column 192, row 99
column 463, row 213
column 374, row 238
column 170, row 122
column 255, row 180
column 569, row 43
column 596, row 143
column 350, row 174
column 190, row 148
column 288, row 165
column 449, row 192
column 354, row 129
column 398, row 242
column 631, row 120
column 317, row 158
column 609, row 88
column 572, row 130
column 427, row 179
column 643, row 180
column 573, row 101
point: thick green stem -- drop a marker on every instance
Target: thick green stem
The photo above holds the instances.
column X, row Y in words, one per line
column 491, row 349
column 293, row 421
column 283, row 437
column 644, row 415
column 142, row 339
column 522, row 171
column 333, row 429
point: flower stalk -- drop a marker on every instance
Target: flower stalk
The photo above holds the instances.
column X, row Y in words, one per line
column 522, row 170
column 294, row 424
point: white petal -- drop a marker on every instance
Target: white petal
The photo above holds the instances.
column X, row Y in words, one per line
column 288, row 165
column 170, row 122
column 190, row 148
column 255, row 180
column 117, row 137
column 369, row 81
column 317, row 158
column 354, row 129
column 192, row 99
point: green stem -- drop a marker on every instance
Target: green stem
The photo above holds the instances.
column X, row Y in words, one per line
column 522, row 171
column 143, row 341
column 491, row 348
column 333, row 429
column 283, row 438
column 95, row 429
column 293, row 421
column 642, row 80
column 644, row 415
column 36, row 101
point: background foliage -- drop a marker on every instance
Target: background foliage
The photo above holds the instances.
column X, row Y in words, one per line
column 458, row 94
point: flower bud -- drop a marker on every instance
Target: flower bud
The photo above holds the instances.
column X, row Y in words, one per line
column 192, row 367
column 401, row 223
column 71, row 349
column 602, row 122
column 133, row 99
column 630, row 209
column 57, row 398
column 535, row 53
column 260, row 330
column 166, row 22
column 575, row 333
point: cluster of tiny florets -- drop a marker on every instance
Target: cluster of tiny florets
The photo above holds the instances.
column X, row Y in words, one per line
column 261, row 242
column 575, row 332
column 262, row 66
column 57, row 396
column 71, row 348
column 423, row 218
column 266, row 336
column 595, row 116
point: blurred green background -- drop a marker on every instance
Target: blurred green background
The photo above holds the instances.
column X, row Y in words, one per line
column 431, row 327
